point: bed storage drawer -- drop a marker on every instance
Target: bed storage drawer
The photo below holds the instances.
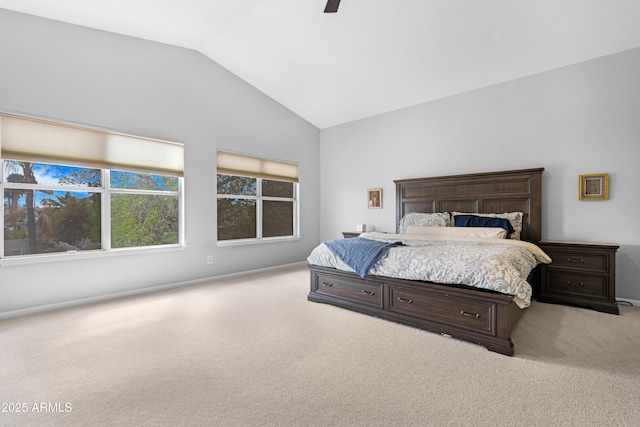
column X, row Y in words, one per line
column 358, row 291
column 473, row 315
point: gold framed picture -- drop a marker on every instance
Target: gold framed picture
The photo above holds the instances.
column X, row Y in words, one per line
column 374, row 198
column 593, row 186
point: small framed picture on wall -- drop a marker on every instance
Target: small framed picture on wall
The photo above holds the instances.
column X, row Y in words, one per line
column 594, row 186
column 374, row 198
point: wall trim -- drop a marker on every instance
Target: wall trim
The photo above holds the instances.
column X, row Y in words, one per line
column 125, row 294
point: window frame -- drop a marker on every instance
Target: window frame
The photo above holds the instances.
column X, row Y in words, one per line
column 179, row 193
column 259, row 198
column 38, row 139
column 105, row 190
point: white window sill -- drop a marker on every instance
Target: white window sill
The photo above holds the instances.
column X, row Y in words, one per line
column 77, row 255
column 241, row 242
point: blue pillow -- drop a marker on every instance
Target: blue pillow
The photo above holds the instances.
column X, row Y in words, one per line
column 483, row 221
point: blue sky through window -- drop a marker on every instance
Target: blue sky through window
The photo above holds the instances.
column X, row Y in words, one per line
column 51, row 174
column 61, row 175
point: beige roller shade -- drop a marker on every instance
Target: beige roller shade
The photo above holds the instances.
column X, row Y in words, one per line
column 37, row 140
column 238, row 164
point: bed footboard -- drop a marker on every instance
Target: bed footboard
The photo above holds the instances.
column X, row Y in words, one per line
column 478, row 316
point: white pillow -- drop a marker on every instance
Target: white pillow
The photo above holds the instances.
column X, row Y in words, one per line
column 436, row 219
column 483, row 232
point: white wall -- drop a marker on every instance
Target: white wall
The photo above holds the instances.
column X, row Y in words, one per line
column 580, row 119
column 576, row 120
column 76, row 74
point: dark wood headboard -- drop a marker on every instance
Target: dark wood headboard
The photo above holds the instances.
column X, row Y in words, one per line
column 490, row 192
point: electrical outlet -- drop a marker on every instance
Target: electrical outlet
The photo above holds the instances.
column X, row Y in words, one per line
column 209, row 259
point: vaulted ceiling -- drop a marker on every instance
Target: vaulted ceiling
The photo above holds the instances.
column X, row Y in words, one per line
column 372, row 56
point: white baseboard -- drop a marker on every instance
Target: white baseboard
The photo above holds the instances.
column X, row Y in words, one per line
column 117, row 295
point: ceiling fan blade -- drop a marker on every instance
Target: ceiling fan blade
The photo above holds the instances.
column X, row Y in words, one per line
column 332, row 6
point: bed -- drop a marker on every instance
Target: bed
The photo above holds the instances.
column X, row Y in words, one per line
column 483, row 316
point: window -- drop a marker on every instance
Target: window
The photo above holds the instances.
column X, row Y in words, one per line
column 50, row 208
column 58, row 206
column 253, row 203
column 144, row 209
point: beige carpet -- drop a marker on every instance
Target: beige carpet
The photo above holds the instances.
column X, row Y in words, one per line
column 253, row 351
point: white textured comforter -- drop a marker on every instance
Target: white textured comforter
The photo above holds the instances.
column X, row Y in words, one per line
column 501, row 265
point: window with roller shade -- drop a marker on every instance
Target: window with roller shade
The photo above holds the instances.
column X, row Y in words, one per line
column 257, row 198
column 70, row 188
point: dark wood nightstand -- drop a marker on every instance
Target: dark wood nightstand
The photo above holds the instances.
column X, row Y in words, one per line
column 349, row 234
column 581, row 273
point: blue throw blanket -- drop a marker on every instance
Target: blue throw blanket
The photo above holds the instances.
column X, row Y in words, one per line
column 360, row 254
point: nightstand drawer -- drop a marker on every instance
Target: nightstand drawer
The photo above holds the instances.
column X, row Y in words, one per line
column 350, row 234
column 584, row 262
column 583, row 286
column 582, row 273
